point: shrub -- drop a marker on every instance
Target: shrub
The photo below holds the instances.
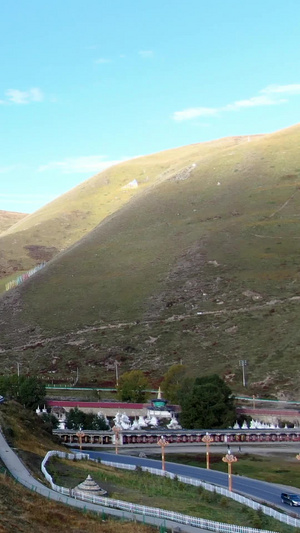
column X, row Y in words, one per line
column 224, row 502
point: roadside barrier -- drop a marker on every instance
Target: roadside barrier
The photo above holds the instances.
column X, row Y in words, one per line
column 162, row 513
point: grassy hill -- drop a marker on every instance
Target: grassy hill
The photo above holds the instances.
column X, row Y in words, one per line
column 9, row 218
column 61, row 223
column 200, row 263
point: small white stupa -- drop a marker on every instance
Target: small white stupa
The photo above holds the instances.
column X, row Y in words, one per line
column 135, row 425
column 89, row 486
column 174, row 424
column 142, row 422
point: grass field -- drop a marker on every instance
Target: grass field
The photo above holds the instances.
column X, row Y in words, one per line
column 219, row 238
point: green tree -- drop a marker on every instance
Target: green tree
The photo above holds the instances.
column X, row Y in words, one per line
column 29, row 391
column 32, row 392
column 9, row 386
column 76, row 419
column 132, row 386
column 172, row 383
column 207, row 404
column 93, row 421
column 50, row 421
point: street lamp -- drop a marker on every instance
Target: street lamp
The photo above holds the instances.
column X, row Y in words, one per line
column 80, row 434
column 207, row 439
column 117, row 430
column 229, row 458
column 162, row 442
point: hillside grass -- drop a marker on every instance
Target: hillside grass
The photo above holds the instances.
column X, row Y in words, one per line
column 67, row 219
column 8, row 219
column 131, row 289
column 11, row 277
column 24, row 511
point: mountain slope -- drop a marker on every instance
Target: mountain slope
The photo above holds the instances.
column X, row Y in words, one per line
column 203, row 267
column 9, row 218
column 59, row 224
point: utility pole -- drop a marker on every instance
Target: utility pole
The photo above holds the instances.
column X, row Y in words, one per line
column 243, row 364
column 18, row 368
column 77, row 377
column 117, row 373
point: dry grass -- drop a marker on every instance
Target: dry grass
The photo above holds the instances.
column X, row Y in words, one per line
column 23, row 511
column 8, row 219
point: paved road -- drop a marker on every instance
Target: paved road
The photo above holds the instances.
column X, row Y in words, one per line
column 256, row 448
column 254, row 489
column 20, row 472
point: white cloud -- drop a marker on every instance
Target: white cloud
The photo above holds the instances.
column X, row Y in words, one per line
column 293, row 88
column 194, row 112
column 89, row 164
column 36, row 94
column 102, row 61
column 268, row 96
column 146, row 53
column 255, row 101
column 16, row 96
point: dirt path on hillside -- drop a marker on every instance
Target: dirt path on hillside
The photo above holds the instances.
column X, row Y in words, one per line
column 40, row 341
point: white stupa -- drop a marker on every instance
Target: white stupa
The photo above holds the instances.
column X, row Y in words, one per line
column 135, row 425
column 125, row 422
column 89, row 486
column 174, row 424
column 142, row 422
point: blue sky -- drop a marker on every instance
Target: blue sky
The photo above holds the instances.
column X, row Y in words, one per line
column 88, row 83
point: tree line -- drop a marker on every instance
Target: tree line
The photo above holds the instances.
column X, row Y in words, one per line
column 206, row 402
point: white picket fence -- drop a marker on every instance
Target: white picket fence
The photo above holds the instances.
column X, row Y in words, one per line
column 162, row 513
column 219, row 490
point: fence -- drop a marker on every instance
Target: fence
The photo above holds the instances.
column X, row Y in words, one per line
column 162, row 513
column 291, row 521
